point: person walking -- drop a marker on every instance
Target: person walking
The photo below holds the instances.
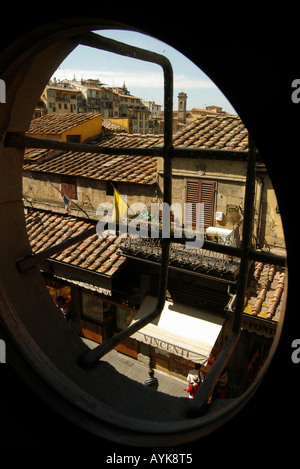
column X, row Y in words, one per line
column 152, row 381
column 197, row 371
column 193, row 387
column 61, row 303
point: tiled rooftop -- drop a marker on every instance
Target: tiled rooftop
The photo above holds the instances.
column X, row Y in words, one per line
column 55, row 124
column 265, row 291
column 100, row 166
column 218, row 132
column 214, row 132
column 97, row 254
column 109, row 126
column 103, row 256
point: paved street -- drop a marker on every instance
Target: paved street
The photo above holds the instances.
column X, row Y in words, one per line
column 138, row 371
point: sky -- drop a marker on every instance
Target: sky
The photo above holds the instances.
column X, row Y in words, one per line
column 143, row 79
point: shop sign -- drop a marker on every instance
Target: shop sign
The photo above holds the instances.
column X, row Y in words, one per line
column 259, row 328
column 155, row 342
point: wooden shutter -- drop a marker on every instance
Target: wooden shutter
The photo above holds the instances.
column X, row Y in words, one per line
column 200, row 191
column 192, row 197
column 207, row 196
column 69, row 187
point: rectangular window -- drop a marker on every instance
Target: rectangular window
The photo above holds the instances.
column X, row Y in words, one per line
column 69, row 187
column 200, row 191
column 74, row 138
column 124, row 316
column 95, row 309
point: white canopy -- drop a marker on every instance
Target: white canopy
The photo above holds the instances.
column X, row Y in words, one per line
column 180, row 329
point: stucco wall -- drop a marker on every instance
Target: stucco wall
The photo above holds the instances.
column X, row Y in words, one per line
column 230, row 177
column 43, row 189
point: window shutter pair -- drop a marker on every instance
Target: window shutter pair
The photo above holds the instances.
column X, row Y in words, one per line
column 202, row 191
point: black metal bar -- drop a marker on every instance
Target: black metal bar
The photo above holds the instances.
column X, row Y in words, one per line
column 195, row 273
column 267, row 257
column 233, row 251
column 19, row 140
column 210, row 246
column 110, row 45
column 91, row 357
column 247, row 232
column 207, row 153
column 199, row 403
column 35, row 259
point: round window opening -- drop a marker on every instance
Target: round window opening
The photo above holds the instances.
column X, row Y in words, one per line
column 141, row 240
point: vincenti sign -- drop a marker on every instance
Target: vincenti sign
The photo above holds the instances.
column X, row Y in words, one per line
column 156, row 342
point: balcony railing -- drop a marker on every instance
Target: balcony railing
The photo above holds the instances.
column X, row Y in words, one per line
column 198, row 260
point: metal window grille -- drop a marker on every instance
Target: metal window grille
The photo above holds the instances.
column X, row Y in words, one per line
column 167, row 152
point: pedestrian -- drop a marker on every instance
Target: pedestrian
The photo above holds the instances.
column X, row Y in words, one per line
column 197, row 372
column 193, row 387
column 61, row 303
column 151, row 382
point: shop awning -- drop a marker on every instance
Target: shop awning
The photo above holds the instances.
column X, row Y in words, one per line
column 182, row 330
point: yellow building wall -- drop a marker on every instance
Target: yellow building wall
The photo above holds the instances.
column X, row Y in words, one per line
column 122, row 122
column 87, row 129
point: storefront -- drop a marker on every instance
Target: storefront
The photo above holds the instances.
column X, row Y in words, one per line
column 179, row 338
column 97, row 318
column 251, row 352
column 59, row 290
column 101, row 318
column 94, row 311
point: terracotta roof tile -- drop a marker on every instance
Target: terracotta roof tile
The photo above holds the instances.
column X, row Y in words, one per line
column 111, row 126
column 96, row 254
column 215, row 132
column 56, row 123
column 140, row 169
column 265, row 288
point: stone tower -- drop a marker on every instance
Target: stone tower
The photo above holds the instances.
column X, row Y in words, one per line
column 182, row 99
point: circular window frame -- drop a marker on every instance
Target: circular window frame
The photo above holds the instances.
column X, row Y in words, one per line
column 35, row 353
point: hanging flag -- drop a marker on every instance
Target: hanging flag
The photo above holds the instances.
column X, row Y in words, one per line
column 67, row 199
column 120, row 206
column 67, row 202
